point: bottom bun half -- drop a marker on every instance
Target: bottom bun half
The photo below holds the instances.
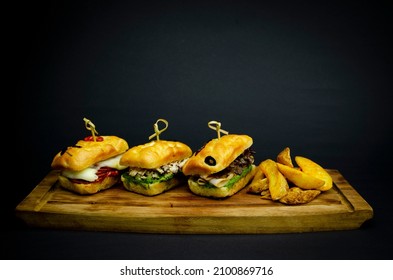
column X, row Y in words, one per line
column 153, row 189
column 88, row 188
column 221, row 192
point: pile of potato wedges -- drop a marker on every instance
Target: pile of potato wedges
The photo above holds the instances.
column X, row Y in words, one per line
column 282, row 181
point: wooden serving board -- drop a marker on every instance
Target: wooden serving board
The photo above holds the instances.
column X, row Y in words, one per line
column 179, row 211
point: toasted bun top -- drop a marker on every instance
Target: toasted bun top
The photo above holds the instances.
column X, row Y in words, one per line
column 86, row 153
column 217, row 154
column 155, row 154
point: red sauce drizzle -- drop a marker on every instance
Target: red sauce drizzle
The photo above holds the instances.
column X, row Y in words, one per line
column 90, row 138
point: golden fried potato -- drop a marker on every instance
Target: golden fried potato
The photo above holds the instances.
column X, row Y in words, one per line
column 296, row 196
column 265, row 194
column 258, row 186
column 258, row 183
column 314, row 169
column 258, row 175
column 284, row 157
column 299, row 178
column 278, row 185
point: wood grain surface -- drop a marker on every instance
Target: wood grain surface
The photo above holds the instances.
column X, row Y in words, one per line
column 179, row 211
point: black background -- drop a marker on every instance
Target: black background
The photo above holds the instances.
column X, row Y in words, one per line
column 314, row 76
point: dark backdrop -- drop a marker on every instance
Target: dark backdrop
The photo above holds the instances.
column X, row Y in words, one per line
column 314, row 77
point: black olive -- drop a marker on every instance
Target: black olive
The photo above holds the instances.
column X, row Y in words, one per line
column 209, row 160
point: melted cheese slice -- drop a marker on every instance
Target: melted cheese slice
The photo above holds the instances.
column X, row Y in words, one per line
column 89, row 174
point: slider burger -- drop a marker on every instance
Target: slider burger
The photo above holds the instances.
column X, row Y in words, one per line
column 155, row 167
column 92, row 164
column 222, row 167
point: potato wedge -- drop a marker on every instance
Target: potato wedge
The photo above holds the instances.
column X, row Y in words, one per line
column 266, row 195
column 258, row 183
column 299, row 178
column 284, row 157
column 296, row 196
column 314, row 169
column 258, row 175
column 278, row 185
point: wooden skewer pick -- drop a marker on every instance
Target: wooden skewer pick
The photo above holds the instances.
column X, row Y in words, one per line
column 157, row 131
column 217, row 126
column 90, row 126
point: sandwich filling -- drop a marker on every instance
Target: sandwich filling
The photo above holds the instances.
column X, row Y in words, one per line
column 146, row 177
column 239, row 168
column 97, row 172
